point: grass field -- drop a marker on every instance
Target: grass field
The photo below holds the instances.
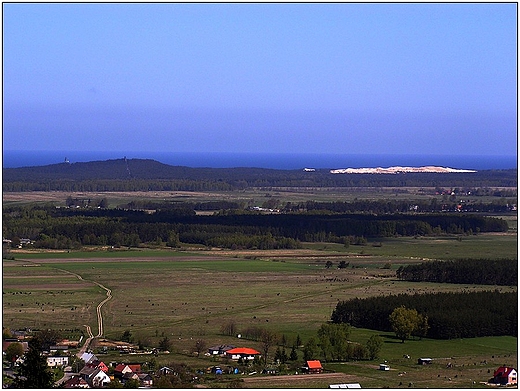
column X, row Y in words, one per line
column 189, row 295
column 448, row 247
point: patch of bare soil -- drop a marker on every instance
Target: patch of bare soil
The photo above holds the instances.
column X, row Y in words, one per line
column 281, row 380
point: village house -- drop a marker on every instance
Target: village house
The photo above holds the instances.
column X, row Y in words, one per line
column 95, row 377
column 58, row 348
column 121, row 369
column 98, row 379
column 86, row 372
column 242, row 353
column 505, row 376
column 219, row 350
column 87, row 357
column 76, row 382
column 145, row 379
column 97, row 364
column 313, row 366
column 57, row 361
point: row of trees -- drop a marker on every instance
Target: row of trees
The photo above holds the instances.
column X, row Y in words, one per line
column 502, row 205
column 463, row 271
column 54, row 227
column 449, row 315
column 332, row 344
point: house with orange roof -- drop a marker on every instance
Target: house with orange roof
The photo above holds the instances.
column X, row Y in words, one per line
column 244, row 353
column 313, row 366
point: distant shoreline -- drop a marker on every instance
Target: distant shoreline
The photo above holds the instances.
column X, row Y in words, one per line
column 280, row 161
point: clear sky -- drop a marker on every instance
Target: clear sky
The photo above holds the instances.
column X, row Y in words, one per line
column 428, row 78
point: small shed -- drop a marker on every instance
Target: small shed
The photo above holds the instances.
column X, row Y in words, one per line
column 424, row 361
column 384, row 367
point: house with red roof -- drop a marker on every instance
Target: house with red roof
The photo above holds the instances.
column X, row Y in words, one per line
column 244, row 353
column 505, row 376
column 97, row 364
column 121, row 369
column 76, row 382
column 313, row 366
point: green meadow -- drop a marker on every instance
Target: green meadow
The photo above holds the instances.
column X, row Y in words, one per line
column 190, row 295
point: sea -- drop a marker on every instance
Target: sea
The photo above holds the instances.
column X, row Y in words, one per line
column 280, row 161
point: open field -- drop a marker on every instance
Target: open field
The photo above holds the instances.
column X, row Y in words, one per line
column 254, row 195
column 189, row 295
column 423, row 248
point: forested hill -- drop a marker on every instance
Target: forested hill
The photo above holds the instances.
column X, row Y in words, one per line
column 122, row 169
column 147, row 174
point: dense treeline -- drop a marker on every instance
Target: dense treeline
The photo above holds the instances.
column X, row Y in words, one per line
column 149, row 175
column 499, row 205
column 198, row 206
column 52, row 227
column 433, row 205
column 450, row 315
column 463, row 271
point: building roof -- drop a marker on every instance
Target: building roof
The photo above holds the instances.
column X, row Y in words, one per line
column 503, row 371
column 75, row 381
column 242, row 351
column 136, row 368
column 221, row 348
column 314, row 364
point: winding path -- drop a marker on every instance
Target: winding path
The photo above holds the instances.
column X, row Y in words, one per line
column 98, row 312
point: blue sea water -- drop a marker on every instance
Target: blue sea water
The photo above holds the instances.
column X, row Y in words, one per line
column 286, row 161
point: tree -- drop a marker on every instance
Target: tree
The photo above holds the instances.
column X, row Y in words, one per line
column 33, row 372
column 422, row 326
column 373, row 346
column 200, row 346
column 132, row 383
column 173, row 240
column 126, row 336
column 310, row 351
column 103, row 203
column 47, row 338
column 293, row 356
column 404, row 322
column 230, row 328
column 6, row 333
column 333, row 340
column 268, row 338
column 165, row 344
column 328, row 264
column 116, row 383
column 13, row 351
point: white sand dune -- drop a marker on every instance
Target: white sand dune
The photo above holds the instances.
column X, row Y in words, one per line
column 396, row 170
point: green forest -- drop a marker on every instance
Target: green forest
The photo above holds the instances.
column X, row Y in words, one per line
column 62, row 228
column 449, row 315
column 463, row 271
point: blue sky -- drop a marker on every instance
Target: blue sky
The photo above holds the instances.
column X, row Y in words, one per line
column 437, row 78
